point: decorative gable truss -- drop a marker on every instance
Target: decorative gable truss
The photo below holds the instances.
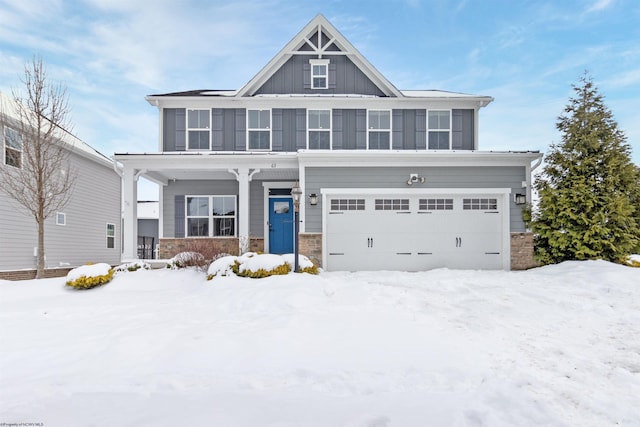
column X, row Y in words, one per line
column 321, row 50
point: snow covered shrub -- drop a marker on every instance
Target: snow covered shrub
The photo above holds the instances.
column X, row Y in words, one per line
column 89, row 276
column 304, row 264
column 133, row 266
column 634, row 261
column 187, row 259
column 222, row 266
column 259, row 266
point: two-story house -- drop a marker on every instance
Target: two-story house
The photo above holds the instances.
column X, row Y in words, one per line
column 391, row 179
column 87, row 229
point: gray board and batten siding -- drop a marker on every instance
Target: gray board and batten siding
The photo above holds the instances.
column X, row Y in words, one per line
column 317, row 178
column 94, row 203
column 289, row 129
column 295, row 77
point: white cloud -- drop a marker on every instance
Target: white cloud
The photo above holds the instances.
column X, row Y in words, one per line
column 599, row 5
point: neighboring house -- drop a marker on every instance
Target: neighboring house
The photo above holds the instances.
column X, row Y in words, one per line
column 391, row 179
column 148, row 216
column 88, row 229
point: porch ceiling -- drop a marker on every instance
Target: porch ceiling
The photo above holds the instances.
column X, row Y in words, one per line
column 162, row 176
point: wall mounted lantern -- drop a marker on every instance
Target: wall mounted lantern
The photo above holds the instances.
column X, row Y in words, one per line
column 520, row 199
column 313, row 199
column 296, row 192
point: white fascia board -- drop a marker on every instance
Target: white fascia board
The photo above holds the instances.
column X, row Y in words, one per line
column 415, row 158
column 323, row 101
column 412, row 191
column 209, row 160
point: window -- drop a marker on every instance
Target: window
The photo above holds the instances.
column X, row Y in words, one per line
column 319, row 73
column 61, row 218
column 392, row 204
column 211, row 216
column 347, row 204
column 12, row 148
column 436, row 204
column 198, row 126
column 319, row 129
column 439, row 126
column 111, row 236
column 379, row 129
column 480, row 204
column 259, row 129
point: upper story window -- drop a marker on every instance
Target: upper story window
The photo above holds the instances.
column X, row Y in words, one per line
column 379, row 129
column 259, row 129
column 198, row 129
column 319, row 128
column 12, row 148
column 439, row 129
column 319, row 73
column 210, row 216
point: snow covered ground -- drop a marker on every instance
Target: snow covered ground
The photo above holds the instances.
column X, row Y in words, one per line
column 553, row 346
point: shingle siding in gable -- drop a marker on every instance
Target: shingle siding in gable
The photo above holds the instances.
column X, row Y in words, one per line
column 294, row 77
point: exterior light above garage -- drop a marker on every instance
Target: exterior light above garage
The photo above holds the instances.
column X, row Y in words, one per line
column 414, row 178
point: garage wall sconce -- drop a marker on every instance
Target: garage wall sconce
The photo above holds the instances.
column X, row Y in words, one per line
column 313, row 199
column 520, row 199
column 414, row 178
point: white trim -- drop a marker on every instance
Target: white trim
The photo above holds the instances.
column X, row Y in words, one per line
column 210, row 216
column 380, row 130
column 268, row 185
column 450, row 129
column 187, row 129
column 269, row 129
column 330, row 130
column 64, row 218
column 320, row 62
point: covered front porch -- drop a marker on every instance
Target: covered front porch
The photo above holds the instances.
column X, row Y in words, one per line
column 195, row 186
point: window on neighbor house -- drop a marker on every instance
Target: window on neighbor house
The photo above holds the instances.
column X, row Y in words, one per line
column 319, row 129
column 319, row 73
column 259, row 129
column 12, row 148
column 61, row 218
column 198, row 129
column 439, row 128
column 211, row 216
column 379, row 129
column 111, row 236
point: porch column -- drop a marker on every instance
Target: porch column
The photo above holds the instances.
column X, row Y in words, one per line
column 130, row 213
column 244, row 178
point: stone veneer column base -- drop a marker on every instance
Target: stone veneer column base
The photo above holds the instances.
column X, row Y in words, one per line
column 311, row 246
column 522, row 251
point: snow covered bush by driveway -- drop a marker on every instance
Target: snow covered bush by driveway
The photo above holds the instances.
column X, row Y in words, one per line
column 259, row 266
column 89, row 276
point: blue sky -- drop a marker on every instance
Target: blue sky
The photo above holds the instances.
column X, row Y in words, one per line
column 526, row 54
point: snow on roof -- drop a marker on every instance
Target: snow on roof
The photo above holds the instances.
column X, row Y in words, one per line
column 9, row 109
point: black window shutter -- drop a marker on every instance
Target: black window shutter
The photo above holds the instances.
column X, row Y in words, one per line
column 178, row 209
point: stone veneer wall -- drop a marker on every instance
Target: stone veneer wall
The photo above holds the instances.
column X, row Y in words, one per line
column 311, row 246
column 522, row 251
column 31, row 274
column 170, row 247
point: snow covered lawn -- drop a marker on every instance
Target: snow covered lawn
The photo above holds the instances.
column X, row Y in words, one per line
column 554, row 346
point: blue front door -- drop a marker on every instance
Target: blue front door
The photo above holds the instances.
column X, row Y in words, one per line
column 280, row 225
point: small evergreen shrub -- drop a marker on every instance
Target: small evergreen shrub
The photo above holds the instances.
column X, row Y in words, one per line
column 89, row 276
column 133, row 266
column 221, row 267
column 261, row 272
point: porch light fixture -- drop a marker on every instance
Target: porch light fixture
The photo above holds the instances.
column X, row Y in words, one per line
column 520, row 199
column 296, row 192
column 313, row 199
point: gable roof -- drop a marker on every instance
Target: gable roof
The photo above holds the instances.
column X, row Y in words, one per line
column 310, row 41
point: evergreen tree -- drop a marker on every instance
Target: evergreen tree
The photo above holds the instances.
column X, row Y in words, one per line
column 588, row 190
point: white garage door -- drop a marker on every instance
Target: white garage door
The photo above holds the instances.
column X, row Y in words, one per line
column 415, row 232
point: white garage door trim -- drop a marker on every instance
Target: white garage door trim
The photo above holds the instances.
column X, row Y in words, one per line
column 502, row 193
